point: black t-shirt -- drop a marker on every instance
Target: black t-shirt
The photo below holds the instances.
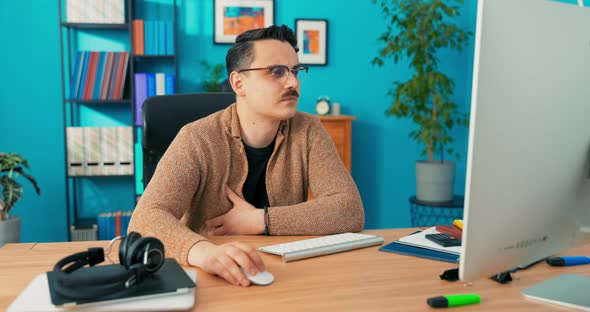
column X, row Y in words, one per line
column 254, row 189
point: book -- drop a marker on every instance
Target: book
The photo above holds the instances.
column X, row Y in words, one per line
column 104, row 92
column 160, row 84
column 117, row 76
column 79, row 76
column 102, row 221
column 151, row 84
column 450, row 229
column 408, row 250
column 113, row 75
column 117, row 223
column 138, row 164
column 170, row 85
column 81, row 85
column 169, row 38
column 149, row 37
column 76, row 75
column 99, row 76
column 138, row 39
column 121, row 75
column 91, row 75
column 123, row 79
column 141, row 94
column 125, row 219
column 161, row 44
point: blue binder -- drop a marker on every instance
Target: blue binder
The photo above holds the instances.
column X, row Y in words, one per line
column 404, row 249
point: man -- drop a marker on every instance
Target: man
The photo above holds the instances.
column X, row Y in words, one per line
column 247, row 169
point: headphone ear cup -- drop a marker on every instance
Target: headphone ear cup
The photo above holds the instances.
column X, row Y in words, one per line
column 155, row 253
column 125, row 245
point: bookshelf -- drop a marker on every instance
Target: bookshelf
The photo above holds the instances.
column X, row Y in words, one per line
column 105, row 52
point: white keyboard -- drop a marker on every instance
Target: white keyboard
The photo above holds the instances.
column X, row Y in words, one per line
column 320, row 246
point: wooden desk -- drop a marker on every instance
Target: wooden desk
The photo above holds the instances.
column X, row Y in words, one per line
column 360, row 280
column 340, row 129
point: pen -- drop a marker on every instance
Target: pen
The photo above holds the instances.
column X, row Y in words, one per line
column 567, row 260
column 450, row 301
column 458, row 223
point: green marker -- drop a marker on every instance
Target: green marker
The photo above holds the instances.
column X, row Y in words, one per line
column 453, row 300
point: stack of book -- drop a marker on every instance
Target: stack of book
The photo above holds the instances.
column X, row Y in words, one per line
column 150, row 84
column 416, row 244
column 99, row 75
column 113, row 224
column 153, row 37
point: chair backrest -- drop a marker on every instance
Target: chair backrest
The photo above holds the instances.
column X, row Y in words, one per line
column 226, row 86
column 164, row 115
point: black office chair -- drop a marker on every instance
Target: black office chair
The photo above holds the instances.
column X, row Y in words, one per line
column 164, row 115
column 226, row 86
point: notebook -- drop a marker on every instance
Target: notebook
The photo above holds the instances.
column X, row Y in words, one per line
column 570, row 290
column 36, row 296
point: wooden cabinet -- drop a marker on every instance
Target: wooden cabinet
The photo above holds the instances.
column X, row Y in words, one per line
column 340, row 129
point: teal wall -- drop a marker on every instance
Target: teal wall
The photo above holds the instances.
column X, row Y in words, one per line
column 31, row 121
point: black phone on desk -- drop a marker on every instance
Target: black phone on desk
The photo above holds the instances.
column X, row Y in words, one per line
column 444, row 239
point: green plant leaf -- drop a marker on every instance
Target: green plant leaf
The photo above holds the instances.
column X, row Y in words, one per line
column 12, row 166
column 11, row 192
column 213, row 76
column 11, row 160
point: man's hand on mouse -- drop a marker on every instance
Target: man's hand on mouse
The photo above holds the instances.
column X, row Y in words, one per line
column 225, row 260
column 242, row 219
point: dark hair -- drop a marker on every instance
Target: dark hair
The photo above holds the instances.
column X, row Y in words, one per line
column 242, row 52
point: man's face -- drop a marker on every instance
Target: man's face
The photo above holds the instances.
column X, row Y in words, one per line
column 265, row 94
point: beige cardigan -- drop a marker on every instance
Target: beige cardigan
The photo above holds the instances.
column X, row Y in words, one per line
column 187, row 186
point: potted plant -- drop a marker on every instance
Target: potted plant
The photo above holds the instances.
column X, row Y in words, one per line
column 213, row 77
column 417, row 31
column 11, row 167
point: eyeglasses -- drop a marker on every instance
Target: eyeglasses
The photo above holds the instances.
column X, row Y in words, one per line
column 281, row 72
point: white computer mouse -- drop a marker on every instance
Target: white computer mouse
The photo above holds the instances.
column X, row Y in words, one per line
column 261, row 278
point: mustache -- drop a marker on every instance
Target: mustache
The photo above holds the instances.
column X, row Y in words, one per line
column 290, row 93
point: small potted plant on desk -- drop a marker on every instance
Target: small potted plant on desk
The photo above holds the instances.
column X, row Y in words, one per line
column 417, row 31
column 11, row 167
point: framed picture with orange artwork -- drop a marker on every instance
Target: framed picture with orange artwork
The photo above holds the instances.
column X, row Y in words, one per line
column 233, row 17
column 312, row 39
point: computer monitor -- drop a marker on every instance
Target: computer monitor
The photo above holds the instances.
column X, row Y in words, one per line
column 527, row 190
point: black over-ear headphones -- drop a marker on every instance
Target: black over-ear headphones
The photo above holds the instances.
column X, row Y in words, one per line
column 140, row 256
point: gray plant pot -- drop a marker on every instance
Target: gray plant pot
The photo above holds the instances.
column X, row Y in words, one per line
column 10, row 230
column 435, row 180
